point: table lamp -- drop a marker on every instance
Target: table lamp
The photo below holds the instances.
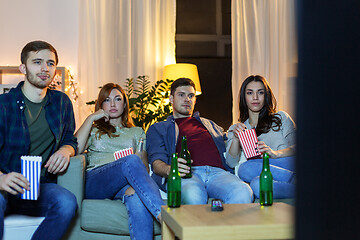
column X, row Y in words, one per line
column 183, row 70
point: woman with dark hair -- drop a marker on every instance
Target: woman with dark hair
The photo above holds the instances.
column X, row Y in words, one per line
column 107, row 130
column 276, row 135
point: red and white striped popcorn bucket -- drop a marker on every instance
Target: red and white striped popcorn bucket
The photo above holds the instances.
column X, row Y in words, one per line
column 123, row 153
column 248, row 140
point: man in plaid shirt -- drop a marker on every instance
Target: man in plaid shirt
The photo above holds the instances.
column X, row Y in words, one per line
column 37, row 121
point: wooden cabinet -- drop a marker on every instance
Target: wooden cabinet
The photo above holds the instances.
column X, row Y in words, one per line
column 10, row 76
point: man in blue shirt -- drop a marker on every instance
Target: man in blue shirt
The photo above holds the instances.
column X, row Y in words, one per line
column 211, row 176
column 37, row 121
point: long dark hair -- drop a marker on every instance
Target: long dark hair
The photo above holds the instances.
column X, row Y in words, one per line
column 268, row 118
column 106, row 127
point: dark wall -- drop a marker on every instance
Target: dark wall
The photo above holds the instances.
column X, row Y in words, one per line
column 196, row 22
column 327, row 119
column 215, row 102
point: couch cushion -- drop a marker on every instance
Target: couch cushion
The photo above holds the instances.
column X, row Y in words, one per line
column 107, row 216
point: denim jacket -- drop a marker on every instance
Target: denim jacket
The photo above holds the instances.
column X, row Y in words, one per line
column 161, row 139
column 14, row 133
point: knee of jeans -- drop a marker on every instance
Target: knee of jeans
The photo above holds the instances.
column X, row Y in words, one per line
column 255, row 186
column 241, row 193
column 193, row 195
column 244, row 173
column 133, row 161
column 66, row 204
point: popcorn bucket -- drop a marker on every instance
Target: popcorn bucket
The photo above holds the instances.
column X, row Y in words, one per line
column 31, row 169
column 248, row 140
column 123, row 153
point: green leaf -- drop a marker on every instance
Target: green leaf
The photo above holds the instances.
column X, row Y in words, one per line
column 142, row 96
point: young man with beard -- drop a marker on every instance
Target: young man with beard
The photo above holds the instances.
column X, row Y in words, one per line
column 37, row 121
column 211, row 176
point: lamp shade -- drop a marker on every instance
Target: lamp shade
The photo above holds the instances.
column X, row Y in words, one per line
column 183, row 70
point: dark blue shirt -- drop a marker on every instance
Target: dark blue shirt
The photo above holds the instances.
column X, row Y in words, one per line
column 161, row 139
column 14, row 133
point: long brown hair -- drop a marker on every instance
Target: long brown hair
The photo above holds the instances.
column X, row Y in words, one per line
column 268, row 118
column 126, row 120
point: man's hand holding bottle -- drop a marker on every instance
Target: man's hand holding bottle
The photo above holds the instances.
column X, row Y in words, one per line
column 183, row 168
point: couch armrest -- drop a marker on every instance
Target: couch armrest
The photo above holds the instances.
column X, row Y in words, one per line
column 73, row 178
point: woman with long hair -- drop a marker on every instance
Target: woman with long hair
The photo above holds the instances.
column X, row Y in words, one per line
column 276, row 135
column 104, row 132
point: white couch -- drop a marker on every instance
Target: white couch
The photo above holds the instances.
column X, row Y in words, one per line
column 20, row 227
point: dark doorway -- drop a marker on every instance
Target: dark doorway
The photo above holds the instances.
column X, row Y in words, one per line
column 203, row 29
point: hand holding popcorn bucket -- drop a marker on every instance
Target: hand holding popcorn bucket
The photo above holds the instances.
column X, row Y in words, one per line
column 248, row 140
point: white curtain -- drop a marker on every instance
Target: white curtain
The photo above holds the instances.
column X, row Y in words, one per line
column 121, row 39
column 264, row 43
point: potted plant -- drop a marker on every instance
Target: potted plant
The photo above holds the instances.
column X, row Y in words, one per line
column 147, row 104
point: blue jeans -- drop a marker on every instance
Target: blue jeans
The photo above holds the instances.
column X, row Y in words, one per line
column 282, row 169
column 212, row 182
column 55, row 203
column 112, row 179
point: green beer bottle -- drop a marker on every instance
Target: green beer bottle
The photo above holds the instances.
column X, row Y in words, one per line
column 174, row 184
column 185, row 154
column 266, row 183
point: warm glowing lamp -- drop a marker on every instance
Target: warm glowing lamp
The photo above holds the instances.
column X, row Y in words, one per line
column 183, row 70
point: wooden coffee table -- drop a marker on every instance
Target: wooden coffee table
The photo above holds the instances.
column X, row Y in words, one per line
column 236, row 221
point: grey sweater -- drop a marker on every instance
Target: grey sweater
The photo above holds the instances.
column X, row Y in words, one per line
column 275, row 140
